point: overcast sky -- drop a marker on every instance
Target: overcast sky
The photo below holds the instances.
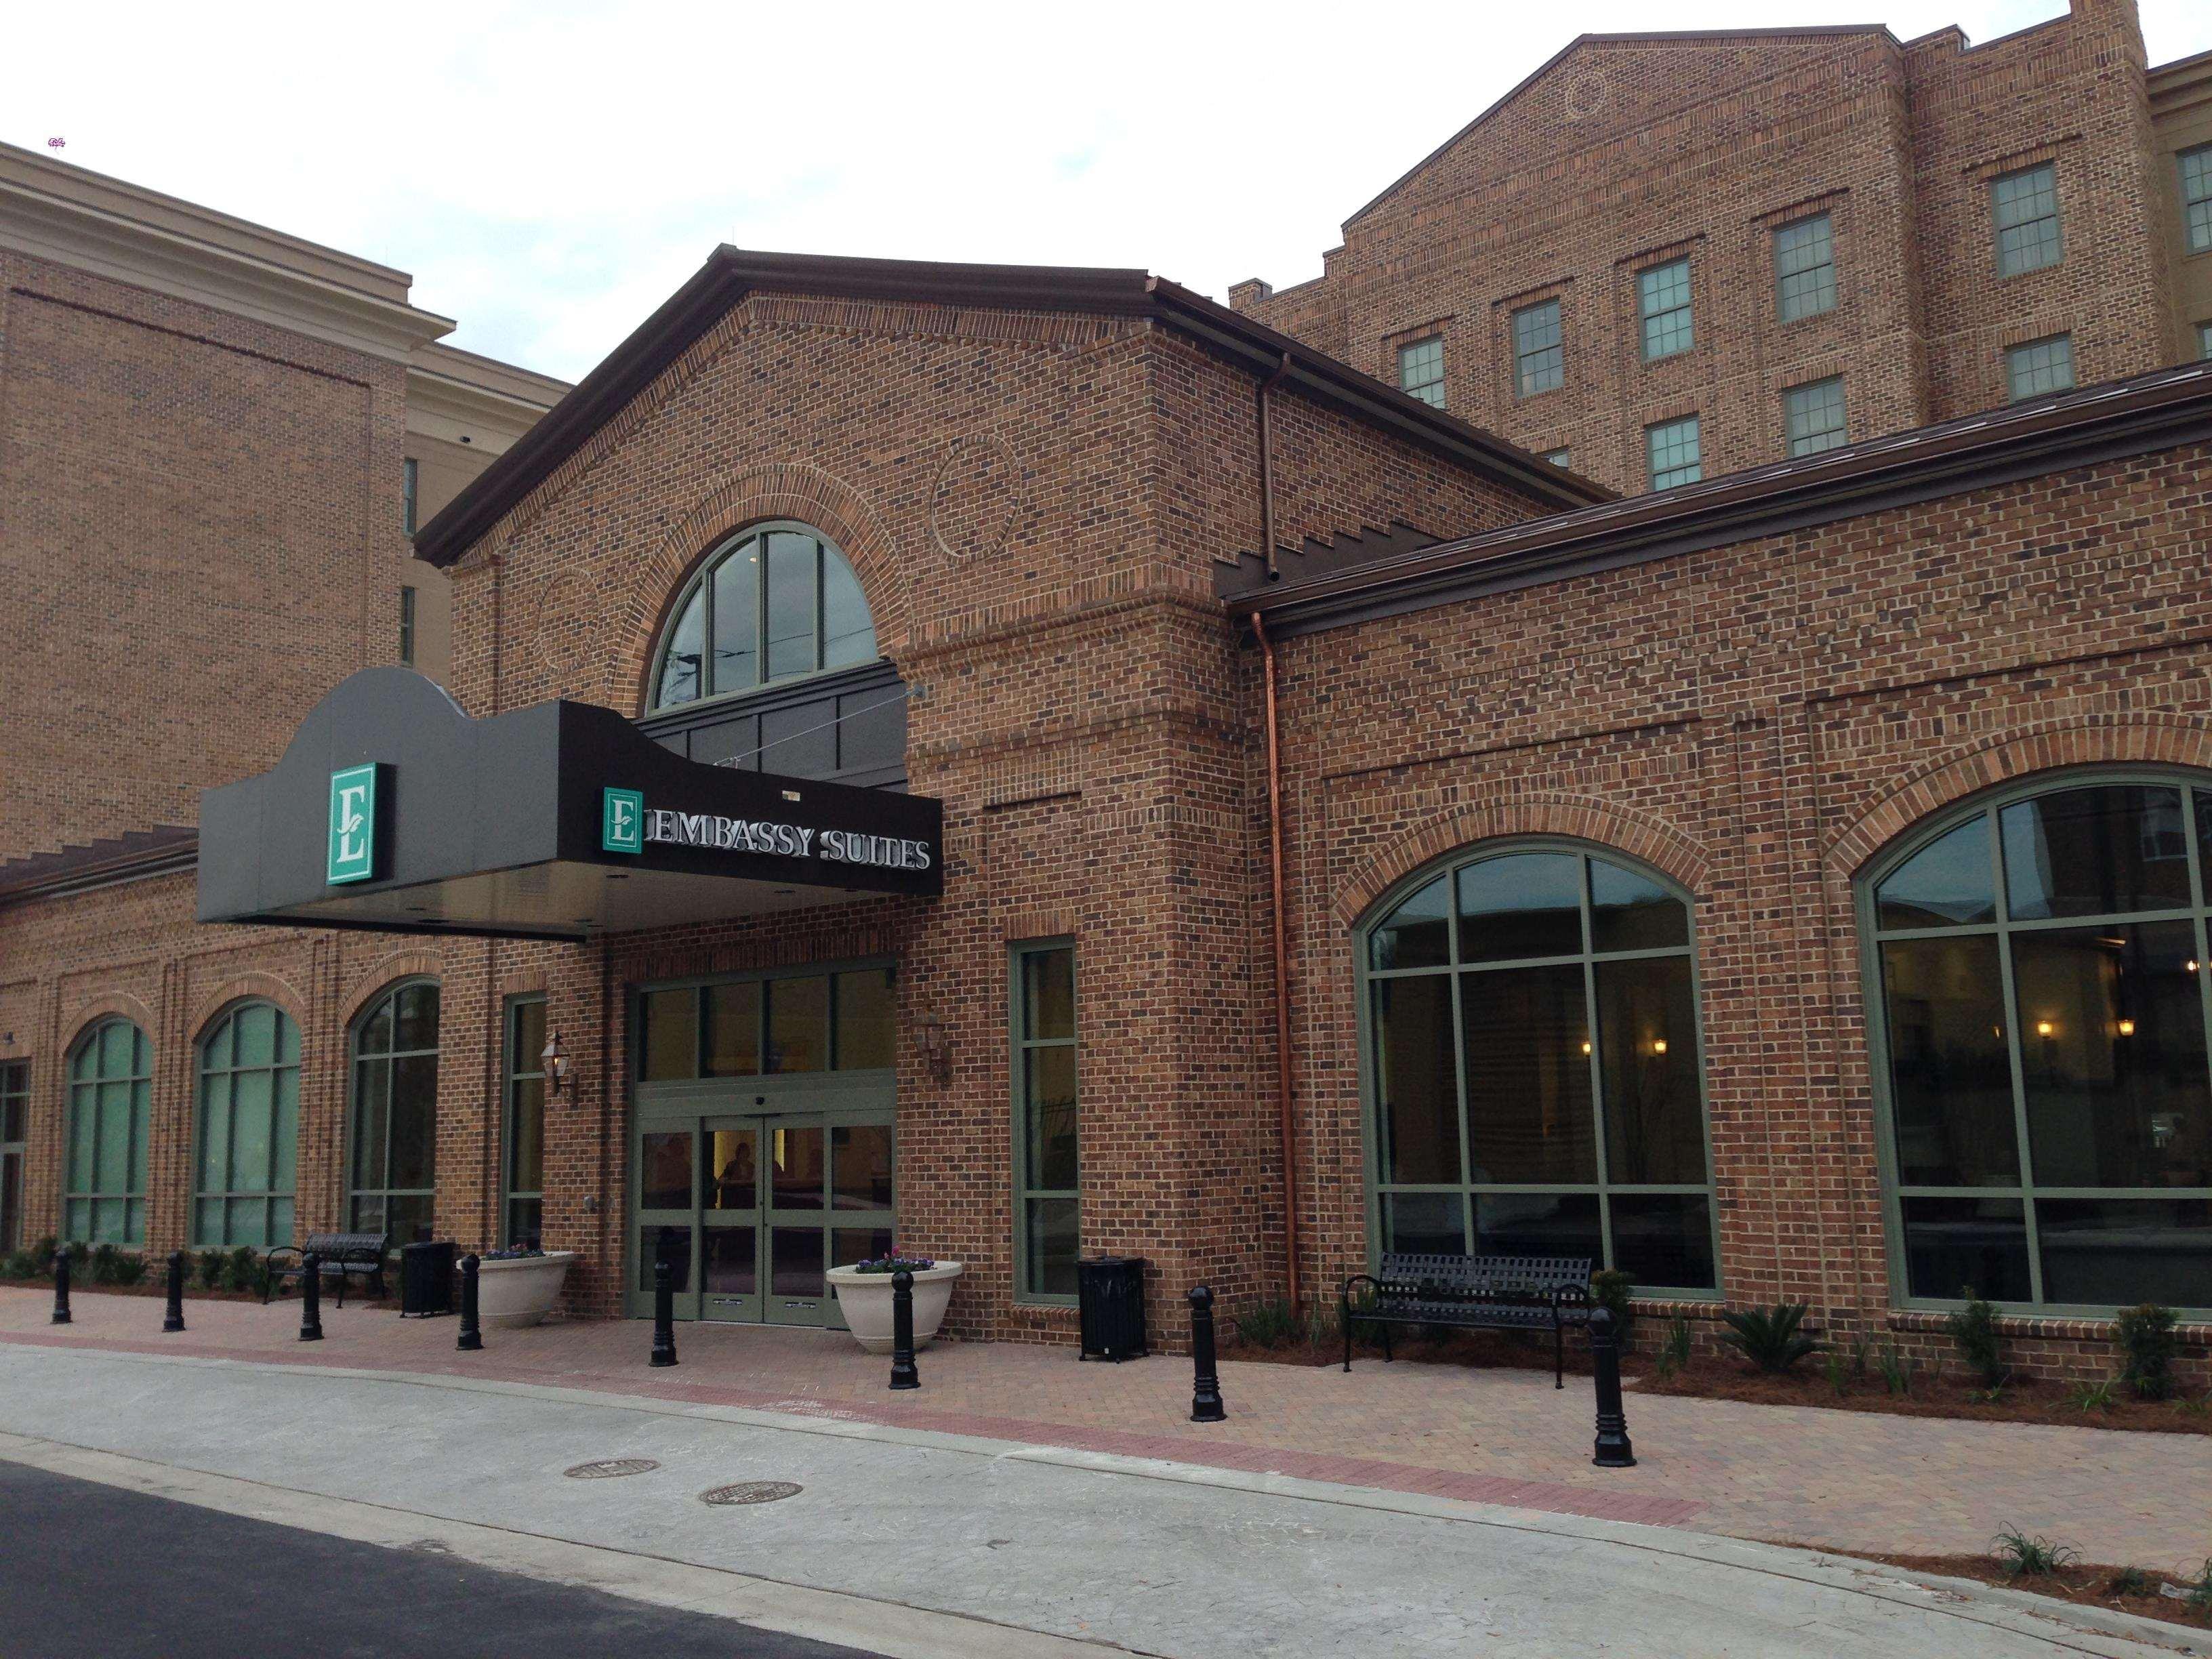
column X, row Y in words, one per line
column 548, row 172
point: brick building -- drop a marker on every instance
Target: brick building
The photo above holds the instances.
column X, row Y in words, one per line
column 898, row 709
column 1666, row 256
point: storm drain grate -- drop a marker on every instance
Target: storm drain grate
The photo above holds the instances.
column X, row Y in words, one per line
column 608, row 1468
column 750, row 1491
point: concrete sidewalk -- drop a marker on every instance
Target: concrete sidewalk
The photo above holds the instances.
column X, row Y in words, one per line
column 1847, row 1480
column 925, row 1546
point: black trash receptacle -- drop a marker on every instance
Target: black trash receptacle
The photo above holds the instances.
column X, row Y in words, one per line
column 1110, row 1289
column 426, row 1278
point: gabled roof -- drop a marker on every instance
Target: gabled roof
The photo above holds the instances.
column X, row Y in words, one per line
column 730, row 274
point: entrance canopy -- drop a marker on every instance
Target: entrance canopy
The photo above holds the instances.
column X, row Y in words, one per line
column 391, row 809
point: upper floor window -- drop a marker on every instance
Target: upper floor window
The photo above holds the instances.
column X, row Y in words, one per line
column 1560, row 457
column 407, row 484
column 2196, row 197
column 1539, row 359
column 407, row 625
column 2204, row 342
column 767, row 1025
column 1813, row 417
column 1804, row 268
column 2041, row 367
column 1663, row 300
column 249, row 1127
column 2024, row 208
column 777, row 601
column 1421, row 369
column 2039, row 1021
column 1672, row 452
column 110, row 1092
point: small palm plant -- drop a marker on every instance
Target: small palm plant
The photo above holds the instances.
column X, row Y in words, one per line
column 1769, row 1337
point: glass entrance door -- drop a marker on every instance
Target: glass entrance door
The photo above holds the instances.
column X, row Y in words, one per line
column 729, row 1219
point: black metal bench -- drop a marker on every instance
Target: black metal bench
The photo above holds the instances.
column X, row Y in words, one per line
column 1493, row 1292
column 342, row 1255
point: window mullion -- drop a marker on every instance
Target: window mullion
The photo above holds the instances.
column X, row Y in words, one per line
column 2009, row 993
column 1596, row 1073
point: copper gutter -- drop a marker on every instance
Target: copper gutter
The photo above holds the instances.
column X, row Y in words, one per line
column 1268, row 466
column 1282, row 974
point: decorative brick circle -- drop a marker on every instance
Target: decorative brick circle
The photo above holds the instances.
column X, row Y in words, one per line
column 562, row 620
column 750, row 1491
column 609, row 1468
column 976, row 500
column 1585, row 95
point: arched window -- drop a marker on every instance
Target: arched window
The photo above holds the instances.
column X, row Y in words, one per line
column 249, row 1127
column 2040, row 1006
column 111, row 1084
column 395, row 1113
column 1533, row 1067
column 777, row 601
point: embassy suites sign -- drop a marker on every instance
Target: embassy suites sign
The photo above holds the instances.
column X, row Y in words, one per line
column 627, row 823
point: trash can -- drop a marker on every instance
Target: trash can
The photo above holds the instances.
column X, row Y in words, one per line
column 1111, row 1291
column 426, row 1278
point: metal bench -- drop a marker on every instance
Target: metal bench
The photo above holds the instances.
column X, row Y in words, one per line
column 344, row 1256
column 1495, row 1292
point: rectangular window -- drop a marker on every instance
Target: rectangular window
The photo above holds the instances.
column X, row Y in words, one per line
column 1804, row 268
column 1539, row 359
column 407, row 494
column 1047, row 1235
column 2196, row 197
column 1813, row 417
column 1663, row 300
column 2041, row 367
column 407, row 625
column 1421, row 369
column 15, row 1107
column 525, row 1153
column 1671, row 449
column 2024, row 210
column 2204, row 342
column 1558, row 456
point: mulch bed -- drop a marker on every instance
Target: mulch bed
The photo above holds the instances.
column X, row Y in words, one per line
column 2083, row 1584
column 158, row 1286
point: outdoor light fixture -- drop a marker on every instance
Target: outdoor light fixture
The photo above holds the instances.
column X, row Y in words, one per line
column 553, row 1062
column 2044, row 1028
column 935, row 1046
column 1658, row 1045
column 2127, row 1027
column 1586, row 1048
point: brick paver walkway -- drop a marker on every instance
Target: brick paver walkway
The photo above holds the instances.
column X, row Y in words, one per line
column 1847, row 1480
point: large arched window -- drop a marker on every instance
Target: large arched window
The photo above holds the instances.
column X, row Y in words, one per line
column 2040, row 1057
column 1533, row 1069
column 776, row 601
column 249, row 1127
column 111, row 1084
column 395, row 1113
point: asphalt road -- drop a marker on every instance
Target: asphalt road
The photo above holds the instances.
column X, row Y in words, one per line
column 89, row 1570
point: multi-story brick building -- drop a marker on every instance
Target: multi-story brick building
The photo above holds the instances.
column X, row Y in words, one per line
column 1668, row 255
column 1032, row 764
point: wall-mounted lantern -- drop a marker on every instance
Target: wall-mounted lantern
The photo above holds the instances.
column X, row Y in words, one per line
column 553, row 1063
column 934, row 1044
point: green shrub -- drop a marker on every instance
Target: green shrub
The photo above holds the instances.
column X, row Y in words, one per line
column 1673, row 1351
column 1608, row 1288
column 130, row 1268
column 2148, row 1340
column 1896, row 1373
column 22, row 1264
column 2199, row 1598
column 45, row 1253
column 1269, row 1325
column 211, row 1265
column 1974, row 1329
column 106, row 1260
column 1838, row 1371
column 2131, row 1580
column 2022, row 1556
column 244, row 1272
column 2092, row 1396
column 1769, row 1337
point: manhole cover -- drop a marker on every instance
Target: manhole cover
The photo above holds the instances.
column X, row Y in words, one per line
column 607, row 1468
column 750, row 1491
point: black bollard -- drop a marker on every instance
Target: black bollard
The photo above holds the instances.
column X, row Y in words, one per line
column 472, row 1338
column 904, row 1374
column 61, row 1285
column 311, row 1297
column 174, row 1321
column 1205, row 1405
column 663, row 1312
column 1613, row 1451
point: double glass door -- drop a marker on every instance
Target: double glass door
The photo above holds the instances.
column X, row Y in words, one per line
column 751, row 1208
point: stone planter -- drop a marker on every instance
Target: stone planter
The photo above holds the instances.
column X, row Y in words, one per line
column 866, row 1302
column 521, row 1290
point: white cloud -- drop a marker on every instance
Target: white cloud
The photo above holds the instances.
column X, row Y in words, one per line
column 549, row 173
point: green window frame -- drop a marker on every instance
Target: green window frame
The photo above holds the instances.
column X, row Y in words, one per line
column 2204, row 342
column 2195, row 167
column 820, row 1018
column 409, row 479
column 14, row 1113
column 1813, row 417
column 1532, row 1064
column 1662, row 302
column 1539, row 355
column 1672, row 452
column 2024, row 215
column 1043, row 1029
column 246, row 1127
column 391, row 1154
column 1804, row 268
column 777, row 602
column 1421, row 369
column 2039, row 1036
column 2035, row 369
column 407, row 624
column 522, row 1140
column 111, row 1071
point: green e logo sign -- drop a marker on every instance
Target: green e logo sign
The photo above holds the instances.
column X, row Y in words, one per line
column 353, row 825
column 622, row 820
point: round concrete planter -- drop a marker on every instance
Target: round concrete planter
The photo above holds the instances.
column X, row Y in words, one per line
column 521, row 1290
column 866, row 1301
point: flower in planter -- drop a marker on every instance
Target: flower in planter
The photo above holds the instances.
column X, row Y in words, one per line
column 892, row 1264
